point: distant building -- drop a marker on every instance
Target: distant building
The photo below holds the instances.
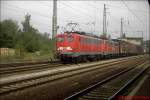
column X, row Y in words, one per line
column 147, row 46
column 133, row 40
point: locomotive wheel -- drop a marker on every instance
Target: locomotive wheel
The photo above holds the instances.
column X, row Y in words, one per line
column 71, row 60
column 76, row 60
column 64, row 60
column 83, row 58
column 97, row 58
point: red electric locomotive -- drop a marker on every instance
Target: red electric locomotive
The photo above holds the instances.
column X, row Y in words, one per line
column 76, row 47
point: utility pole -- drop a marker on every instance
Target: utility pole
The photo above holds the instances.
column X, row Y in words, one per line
column 104, row 21
column 54, row 26
column 121, row 30
column 142, row 41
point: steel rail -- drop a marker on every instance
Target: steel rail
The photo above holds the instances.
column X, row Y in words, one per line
column 128, row 83
column 87, row 91
column 12, row 70
column 61, row 70
column 15, row 85
column 15, row 64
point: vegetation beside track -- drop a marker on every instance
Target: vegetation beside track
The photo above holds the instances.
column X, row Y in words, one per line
column 25, row 43
column 28, row 57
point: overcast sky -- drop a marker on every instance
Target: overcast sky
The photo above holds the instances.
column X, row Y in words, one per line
column 135, row 15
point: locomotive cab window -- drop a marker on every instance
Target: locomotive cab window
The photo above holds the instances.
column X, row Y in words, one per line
column 60, row 39
column 70, row 38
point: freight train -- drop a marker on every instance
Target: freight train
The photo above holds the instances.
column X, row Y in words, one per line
column 76, row 47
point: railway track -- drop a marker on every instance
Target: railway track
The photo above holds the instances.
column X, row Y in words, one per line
column 28, row 67
column 28, row 62
column 111, row 87
column 15, row 68
column 18, row 82
column 11, row 85
column 20, row 69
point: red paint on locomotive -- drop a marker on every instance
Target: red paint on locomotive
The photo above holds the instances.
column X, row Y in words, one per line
column 73, row 45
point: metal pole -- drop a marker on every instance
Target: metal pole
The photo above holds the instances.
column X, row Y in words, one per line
column 104, row 21
column 121, row 30
column 142, row 41
column 54, row 26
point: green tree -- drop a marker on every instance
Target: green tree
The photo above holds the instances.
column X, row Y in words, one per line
column 8, row 33
column 27, row 39
column 27, row 26
column 29, row 36
column 26, row 23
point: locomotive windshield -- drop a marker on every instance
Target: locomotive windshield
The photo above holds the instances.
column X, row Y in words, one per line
column 70, row 38
column 60, row 39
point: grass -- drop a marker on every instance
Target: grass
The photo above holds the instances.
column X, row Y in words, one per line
column 26, row 56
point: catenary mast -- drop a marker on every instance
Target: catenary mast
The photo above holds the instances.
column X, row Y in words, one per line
column 54, row 25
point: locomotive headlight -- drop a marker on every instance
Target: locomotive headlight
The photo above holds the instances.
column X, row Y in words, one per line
column 60, row 48
column 68, row 48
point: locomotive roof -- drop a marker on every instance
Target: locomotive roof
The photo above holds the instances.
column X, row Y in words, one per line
column 92, row 36
column 80, row 33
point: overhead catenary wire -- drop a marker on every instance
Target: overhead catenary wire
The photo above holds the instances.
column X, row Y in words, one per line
column 76, row 10
column 81, row 13
column 18, row 9
column 72, row 9
column 133, row 14
column 125, row 8
column 19, row 12
column 67, row 5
